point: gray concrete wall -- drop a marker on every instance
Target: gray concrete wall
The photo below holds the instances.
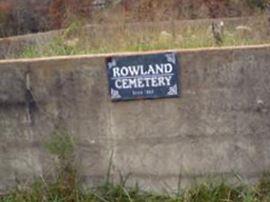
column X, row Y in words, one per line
column 220, row 125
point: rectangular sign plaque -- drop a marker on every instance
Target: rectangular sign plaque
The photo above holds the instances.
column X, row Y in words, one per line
column 143, row 76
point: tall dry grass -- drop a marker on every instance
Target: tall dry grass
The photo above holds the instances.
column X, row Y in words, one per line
column 121, row 37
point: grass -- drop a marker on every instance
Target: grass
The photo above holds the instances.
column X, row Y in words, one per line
column 156, row 36
column 67, row 187
column 206, row 192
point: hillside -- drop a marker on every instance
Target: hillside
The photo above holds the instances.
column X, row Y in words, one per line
column 28, row 16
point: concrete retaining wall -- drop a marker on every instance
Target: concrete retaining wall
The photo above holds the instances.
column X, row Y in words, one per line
column 220, row 125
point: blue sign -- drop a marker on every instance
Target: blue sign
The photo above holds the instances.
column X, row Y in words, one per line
column 143, row 76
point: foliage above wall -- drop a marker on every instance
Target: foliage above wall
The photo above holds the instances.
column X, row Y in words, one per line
column 20, row 17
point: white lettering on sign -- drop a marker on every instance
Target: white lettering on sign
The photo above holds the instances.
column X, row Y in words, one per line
column 136, row 76
column 139, row 70
column 141, row 82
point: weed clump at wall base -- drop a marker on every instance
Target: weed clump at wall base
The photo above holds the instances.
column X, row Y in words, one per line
column 66, row 186
column 205, row 192
column 62, row 145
